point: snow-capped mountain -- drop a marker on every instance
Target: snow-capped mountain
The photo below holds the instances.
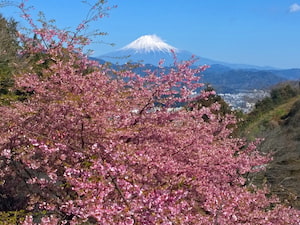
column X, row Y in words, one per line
column 225, row 77
column 149, row 43
column 147, row 49
column 150, row 49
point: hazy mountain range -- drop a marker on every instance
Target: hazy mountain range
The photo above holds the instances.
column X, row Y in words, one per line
column 225, row 77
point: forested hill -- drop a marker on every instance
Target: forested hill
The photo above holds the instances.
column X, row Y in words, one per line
column 225, row 79
column 277, row 120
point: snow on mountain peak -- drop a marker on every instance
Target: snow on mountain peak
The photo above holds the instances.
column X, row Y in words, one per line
column 149, row 43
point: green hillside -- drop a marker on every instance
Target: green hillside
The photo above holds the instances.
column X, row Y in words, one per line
column 280, row 129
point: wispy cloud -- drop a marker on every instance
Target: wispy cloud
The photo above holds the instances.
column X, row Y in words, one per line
column 294, row 8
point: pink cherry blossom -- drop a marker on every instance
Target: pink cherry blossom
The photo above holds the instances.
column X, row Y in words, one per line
column 93, row 144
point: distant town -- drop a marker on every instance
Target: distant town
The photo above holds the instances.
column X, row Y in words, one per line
column 244, row 100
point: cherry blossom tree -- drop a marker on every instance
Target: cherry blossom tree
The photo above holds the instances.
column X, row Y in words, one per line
column 93, row 145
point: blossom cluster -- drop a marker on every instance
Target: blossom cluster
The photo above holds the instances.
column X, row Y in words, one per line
column 89, row 145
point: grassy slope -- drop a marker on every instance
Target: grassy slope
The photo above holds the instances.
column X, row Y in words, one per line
column 280, row 129
column 262, row 125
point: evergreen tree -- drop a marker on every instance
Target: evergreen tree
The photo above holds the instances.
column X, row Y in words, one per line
column 8, row 53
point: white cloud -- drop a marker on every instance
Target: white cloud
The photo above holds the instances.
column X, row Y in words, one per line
column 294, row 8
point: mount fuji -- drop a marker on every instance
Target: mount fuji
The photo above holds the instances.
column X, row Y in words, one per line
column 150, row 49
column 225, row 77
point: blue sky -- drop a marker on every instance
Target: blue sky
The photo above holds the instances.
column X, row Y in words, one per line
column 257, row 32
